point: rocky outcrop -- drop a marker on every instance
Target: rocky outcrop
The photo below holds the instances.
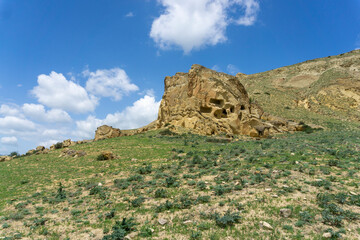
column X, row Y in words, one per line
column 105, row 131
column 5, row 158
column 209, row 102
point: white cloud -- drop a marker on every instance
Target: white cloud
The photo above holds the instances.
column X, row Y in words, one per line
column 9, row 140
column 7, row 110
column 193, row 24
column 251, row 9
column 232, row 69
column 141, row 113
column 38, row 112
column 55, row 91
column 129, row 15
column 109, row 83
column 48, row 143
column 10, row 124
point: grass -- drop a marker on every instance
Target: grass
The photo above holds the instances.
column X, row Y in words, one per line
column 204, row 189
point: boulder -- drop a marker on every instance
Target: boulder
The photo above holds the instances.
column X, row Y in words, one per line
column 209, row 102
column 40, row 148
column 68, row 143
column 5, row 158
column 105, row 131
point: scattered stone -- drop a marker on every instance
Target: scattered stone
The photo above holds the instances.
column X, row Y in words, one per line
column 30, row 152
column 265, row 225
column 107, row 155
column 40, row 148
column 67, row 143
column 296, row 162
column 352, row 193
column 326, row 235
column 131, row 236
column 5, row 158
column 275, row 196
column 133, row 159
column 187, row 222
column 72, row 153
column 292, row 154
column 268, row 189
column 285, row 212
column 100, row 184
column 181, row 154
column 163, row 221
column 318, row 180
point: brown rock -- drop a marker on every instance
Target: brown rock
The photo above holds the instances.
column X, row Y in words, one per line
column 67, row 143
column 5, row 158
column 40, row 148
column 285, row 212
column 105, row 131
column 106, row 155
column 210, row 103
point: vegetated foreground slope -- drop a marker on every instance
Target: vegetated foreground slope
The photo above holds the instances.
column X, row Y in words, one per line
column 315, row 90
column 168, row 186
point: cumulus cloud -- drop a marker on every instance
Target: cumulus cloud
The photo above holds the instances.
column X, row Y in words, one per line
column 38, row 112
column 11, row 124
column 9, row 140
column 7, row 110
column 141, row 113
column 190, row 24
column 55, row 91
column 109, row 83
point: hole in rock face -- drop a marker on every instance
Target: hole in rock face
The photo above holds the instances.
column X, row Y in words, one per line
column 224, row 112
column 205, row 109
column 242, row 107
column 240, row 116
column 217, row 114
column 232, row 109
column 216, row 101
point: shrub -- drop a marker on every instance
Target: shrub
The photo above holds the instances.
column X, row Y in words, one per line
column 171, row 182
column 61, row 195
column 229, row 219
column 160, row 193
column 58, row 145
column 121, row 229
column 14, row 154
column 138, row 201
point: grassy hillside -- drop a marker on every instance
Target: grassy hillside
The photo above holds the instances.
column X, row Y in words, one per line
column 318, row 91
column 202, row 187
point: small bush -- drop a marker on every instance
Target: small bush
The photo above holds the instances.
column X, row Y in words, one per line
column 121, row 229
column 160, row 193
column 58, row 145
column 229, row 219
column 138, row 201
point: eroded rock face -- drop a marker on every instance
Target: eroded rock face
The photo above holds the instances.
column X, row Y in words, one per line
column 105, row 131
column 209, row 102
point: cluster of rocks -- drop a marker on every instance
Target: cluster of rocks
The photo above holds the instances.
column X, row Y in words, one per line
column 5, row 158
column 64, row 144
column 72, row 153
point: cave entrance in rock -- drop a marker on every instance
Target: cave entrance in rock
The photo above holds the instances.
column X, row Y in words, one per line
column 217, row 102
column 205, row 109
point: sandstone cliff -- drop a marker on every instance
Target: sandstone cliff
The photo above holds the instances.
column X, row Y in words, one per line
column 209, row 102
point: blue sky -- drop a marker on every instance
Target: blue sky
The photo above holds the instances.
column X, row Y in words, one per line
column 67, row 67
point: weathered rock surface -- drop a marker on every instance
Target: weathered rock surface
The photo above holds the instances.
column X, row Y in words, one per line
column 72, row 153
column 209, row 102
column 105, row 131
column 5, row 158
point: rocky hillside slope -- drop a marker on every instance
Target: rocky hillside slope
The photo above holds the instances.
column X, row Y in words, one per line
column 318, row 90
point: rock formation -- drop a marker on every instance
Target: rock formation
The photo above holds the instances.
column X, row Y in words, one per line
column 209, row 102
column 106, row 131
